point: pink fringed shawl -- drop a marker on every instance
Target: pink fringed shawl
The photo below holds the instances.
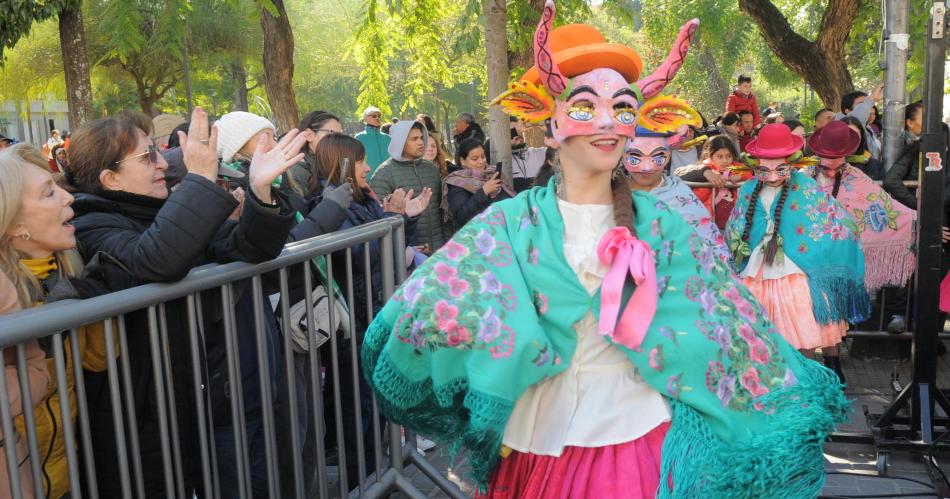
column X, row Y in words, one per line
column 886, row 227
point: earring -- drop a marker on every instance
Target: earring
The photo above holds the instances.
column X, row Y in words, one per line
column 26, row 237
column 558, row 177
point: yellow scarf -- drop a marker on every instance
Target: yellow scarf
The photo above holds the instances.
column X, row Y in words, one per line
column 41, row 267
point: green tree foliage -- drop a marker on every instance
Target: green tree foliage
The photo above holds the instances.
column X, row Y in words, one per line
column 33, row 71
column 17, row 18
column 412, row 50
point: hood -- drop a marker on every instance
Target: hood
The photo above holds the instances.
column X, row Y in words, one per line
column 399, row 133
column 123, row 203
column 473, row 130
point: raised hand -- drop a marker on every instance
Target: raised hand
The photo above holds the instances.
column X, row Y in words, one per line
column 395, row 202
column 493, row 185
column 415, row 206
column 878, row 93
column 199, row 150
column 269, row 163
column 341, row 195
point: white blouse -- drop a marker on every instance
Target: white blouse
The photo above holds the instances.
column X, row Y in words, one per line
column 779, row 268
column 600, row 399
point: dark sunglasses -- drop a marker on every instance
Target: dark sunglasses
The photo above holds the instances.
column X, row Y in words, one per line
column 152, row 154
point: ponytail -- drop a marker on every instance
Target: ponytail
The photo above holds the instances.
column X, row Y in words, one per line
column 772, row 247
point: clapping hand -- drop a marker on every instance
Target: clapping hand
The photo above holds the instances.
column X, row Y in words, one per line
column 395, row 202
column 269, row 163
column 417, row 205
column 198, row 149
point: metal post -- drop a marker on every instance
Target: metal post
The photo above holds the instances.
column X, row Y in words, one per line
column 9, row 433
column 896, row 40
column 930, row 211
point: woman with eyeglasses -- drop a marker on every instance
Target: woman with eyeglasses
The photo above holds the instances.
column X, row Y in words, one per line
column 320, row 124
column 797, row 249
column 124, row 209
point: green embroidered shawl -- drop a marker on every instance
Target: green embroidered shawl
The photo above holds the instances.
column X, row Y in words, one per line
column 819, row 235
column 492, row 313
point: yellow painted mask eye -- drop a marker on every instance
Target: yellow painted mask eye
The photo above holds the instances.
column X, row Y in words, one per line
column 625, row 115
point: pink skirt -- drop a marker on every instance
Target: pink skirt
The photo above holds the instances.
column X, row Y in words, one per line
column 627, row 470
column 788, row 302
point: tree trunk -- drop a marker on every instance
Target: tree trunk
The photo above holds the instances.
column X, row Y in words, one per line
column 239, row 74
column 821, row 63
column 496, row 49
column 279, row 66
column 523, row 57
column 146, row 101
column 72, row 41
column 719, row 88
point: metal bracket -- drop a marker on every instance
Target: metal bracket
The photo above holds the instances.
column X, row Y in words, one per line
column 938, row 19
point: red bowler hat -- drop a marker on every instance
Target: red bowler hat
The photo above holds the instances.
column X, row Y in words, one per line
column 834, row 140
column 774, row 141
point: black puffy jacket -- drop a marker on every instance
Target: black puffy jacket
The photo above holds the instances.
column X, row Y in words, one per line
column 161, row 241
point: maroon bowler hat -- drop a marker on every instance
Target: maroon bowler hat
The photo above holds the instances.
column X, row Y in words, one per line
column 834, row 140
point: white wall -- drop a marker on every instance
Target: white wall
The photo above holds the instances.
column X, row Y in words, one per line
column 35, row 127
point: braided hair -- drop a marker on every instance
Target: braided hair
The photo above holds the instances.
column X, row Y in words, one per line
column 753, row 203
column 839, row 173
column 771, row 248
column 624, row 213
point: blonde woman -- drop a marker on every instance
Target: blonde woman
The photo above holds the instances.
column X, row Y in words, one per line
column 37, row 256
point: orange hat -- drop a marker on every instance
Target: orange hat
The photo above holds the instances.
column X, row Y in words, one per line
column 579, row 49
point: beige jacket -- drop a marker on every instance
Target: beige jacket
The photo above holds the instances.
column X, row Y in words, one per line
column 39, row 381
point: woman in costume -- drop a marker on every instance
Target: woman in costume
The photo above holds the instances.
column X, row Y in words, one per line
column 661, row 128
column 885, row 226
column 528, row 345
column 797, row 249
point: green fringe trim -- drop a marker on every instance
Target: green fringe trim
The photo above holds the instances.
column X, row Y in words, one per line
column 846, row 300
column 450, row 414
column 783, row 462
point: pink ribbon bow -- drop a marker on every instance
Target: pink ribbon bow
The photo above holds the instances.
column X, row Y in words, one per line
column 625, row 253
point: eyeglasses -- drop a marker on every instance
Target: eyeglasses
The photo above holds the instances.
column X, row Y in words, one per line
column 374, row 115
column 152, row 154
column 326, row 130
column 781, row 170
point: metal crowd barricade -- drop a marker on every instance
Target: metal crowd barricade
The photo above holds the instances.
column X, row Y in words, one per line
column 65, row 318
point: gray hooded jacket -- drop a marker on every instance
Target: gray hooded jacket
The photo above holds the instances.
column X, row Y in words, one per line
column 416, row 174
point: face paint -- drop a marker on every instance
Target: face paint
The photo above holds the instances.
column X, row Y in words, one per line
column 773, row 170
column 646, row 154
column 598, row 102
column 829, row 166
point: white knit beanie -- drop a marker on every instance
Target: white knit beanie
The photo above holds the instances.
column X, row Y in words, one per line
column 236, row 129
